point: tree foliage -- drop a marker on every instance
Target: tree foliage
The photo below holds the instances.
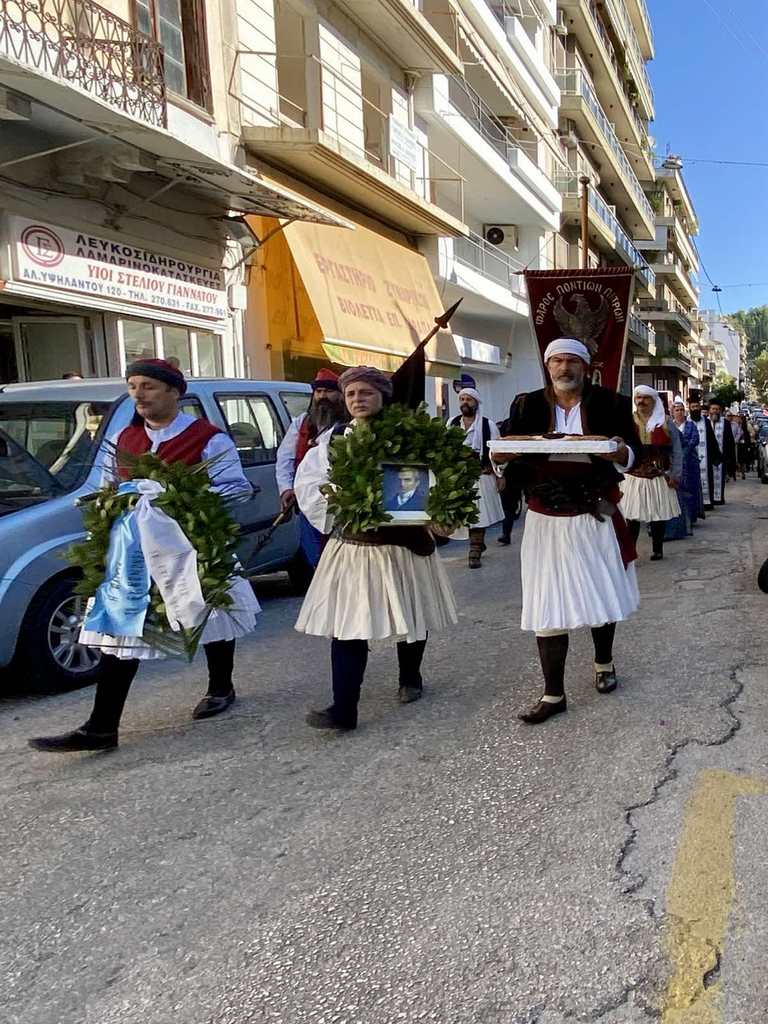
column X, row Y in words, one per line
column 726, row 390
column 760, row 375
column 754, row 323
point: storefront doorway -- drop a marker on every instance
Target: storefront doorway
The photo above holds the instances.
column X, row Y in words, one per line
column 42, row 347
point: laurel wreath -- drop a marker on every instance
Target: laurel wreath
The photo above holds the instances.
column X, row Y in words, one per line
column 399, row 435
column 203, row 517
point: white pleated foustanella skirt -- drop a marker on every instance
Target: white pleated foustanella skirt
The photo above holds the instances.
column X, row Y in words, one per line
column 222, row 624
column 573, row 574
column 488, row 505
column 376, row 592
column 649, row 501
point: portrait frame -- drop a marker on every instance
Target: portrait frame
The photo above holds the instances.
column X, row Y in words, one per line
column 395, row 479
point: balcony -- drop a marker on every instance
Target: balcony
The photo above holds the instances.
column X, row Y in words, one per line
column 86, row 48
column 677, row 277
column 405, row 33
column 610, row 236
column 670, row 175
column 487, row 280
column 593, row 39
column 666, row 309
column 640, row 332
column 350, row 147
column 641, row 19
column 508, row 184
column 580, row 103
column 635, row 62
column 506, row 33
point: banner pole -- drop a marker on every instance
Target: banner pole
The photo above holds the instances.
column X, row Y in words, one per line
column 584, row 180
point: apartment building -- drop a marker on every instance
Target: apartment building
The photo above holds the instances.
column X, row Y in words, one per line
column 430, row 127
column 123, row 189
column 731, row 339
column 678, row 361
column 600, row 55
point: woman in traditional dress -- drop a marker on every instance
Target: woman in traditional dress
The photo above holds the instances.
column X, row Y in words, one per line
column 383, row 584
column 649, row 488
column 689, row 492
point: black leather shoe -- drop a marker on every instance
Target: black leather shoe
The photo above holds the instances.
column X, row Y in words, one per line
column 657, row 556
column 606, row 682
column 327, row 720
column 506, row 541
column 211, row 705
column 79, row 739
column 542, row 711
column 408, row 694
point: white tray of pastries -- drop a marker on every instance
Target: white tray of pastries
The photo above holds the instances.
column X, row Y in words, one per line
column 551, row 444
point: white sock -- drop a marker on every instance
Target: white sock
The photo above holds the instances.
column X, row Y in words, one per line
column 547, row 698
column 604, row 668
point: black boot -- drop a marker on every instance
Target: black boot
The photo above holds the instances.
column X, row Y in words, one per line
column 349, row 659
column 220, row 656
column 657, row 540
column 553, row 651
column 602, row 637
column 409, row 658
column 100, row 731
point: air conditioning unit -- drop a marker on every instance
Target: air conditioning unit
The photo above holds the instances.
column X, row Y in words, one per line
column 562, row 25
column 503, row 235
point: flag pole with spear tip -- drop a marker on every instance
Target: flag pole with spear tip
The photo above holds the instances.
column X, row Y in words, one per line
column 408, row 381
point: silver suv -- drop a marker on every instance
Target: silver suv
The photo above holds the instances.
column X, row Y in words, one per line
column 52, row 452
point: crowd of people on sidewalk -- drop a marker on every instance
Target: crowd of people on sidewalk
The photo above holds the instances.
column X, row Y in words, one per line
column 584, row 515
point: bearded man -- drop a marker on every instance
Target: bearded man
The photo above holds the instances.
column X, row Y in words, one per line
column 325, row 409
column 577, row 552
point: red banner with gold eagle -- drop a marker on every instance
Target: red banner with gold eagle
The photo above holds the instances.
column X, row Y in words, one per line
column 592, row 306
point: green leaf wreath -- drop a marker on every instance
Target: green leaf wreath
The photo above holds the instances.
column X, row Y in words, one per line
column 203, row 517
column 356, row 489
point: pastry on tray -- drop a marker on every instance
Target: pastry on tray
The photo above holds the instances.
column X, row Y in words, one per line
column 550, row 444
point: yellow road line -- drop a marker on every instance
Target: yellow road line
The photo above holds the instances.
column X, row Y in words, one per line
column 700, row 895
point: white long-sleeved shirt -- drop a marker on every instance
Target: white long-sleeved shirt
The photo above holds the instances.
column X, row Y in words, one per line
column 226, row 474
column 313, row 471
column 285, row 466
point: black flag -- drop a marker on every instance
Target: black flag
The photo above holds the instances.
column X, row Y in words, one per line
column 409, row 380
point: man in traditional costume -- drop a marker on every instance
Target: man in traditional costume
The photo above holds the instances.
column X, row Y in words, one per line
column 577, row 553
column 384, row 584
column 689, row 492
column 710, row 456
column 478, row 431
column 157, row 426
column 324, row 410
column 727, row 448
column 650, row 486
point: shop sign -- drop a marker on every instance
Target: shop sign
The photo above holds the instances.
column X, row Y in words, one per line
column 404, row 144
column 108, row 267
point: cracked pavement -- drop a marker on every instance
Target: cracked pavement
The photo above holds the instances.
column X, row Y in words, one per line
column 444, row 863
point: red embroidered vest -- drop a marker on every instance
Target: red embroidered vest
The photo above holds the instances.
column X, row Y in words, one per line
column 307, row 434
column 186, row 447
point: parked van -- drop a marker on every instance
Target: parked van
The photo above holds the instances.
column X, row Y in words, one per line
column 52, row 452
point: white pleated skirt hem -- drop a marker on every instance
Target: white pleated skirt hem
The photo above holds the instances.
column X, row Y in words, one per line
column 573, row 574
column 489, row 506
column 367, row 592
column 649, row 501
column 222, row 624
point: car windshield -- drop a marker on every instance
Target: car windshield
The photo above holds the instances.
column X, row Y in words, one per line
column 46, row 448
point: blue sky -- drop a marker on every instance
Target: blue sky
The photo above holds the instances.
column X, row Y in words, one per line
column 709, row 79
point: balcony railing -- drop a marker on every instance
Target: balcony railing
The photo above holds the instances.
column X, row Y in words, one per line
column 81, row 43
column 491, row 127
column 574, row 82
column 570, row 187
column 490, row 261
column 622, row 19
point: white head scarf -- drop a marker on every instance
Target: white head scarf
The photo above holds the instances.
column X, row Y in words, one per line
column 474, row 436
column 679, row 401
column 567, row 347
column 658, row 417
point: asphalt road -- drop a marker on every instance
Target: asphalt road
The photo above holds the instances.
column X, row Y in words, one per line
column 443, row 864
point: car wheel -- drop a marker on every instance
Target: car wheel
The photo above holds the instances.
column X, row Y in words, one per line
column 300, row 573
column 48, row 650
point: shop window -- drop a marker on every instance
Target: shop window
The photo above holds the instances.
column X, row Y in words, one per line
column 138, row 340
column 254, row 428
column 179, row 26
column 209, row 362
column 176, row 348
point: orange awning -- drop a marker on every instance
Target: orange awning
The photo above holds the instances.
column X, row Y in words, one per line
column 373, row 298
